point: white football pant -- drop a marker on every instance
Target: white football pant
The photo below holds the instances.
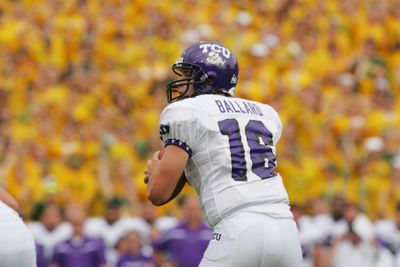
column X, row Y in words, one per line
column 253, row 240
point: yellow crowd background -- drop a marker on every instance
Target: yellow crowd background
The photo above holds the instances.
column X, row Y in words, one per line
column 82, row 84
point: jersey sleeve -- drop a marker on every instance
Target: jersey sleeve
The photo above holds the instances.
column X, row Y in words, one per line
column 278, row 133
column 277, row 124
column 178, row 126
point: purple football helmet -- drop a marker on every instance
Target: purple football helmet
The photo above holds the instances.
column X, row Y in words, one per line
column 209, row 66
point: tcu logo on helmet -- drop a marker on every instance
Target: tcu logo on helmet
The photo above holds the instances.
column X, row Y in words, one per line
column 214, row 58
column 216, row 48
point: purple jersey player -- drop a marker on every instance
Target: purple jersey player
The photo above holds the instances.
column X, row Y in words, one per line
column 79, row 251
column 133, row 255
column 184, row 245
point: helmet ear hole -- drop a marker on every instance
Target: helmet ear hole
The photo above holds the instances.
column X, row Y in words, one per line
column 210, row 79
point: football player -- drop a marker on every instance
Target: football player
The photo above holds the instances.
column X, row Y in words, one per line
column 17, row 247
column 225, row 148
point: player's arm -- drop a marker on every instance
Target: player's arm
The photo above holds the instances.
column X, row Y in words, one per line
column 8, row 200
column 166, row 175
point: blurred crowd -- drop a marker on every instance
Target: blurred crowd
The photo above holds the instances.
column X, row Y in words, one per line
column 334, row 233
column 82, row 84
column 67, row 237
column 338, row 233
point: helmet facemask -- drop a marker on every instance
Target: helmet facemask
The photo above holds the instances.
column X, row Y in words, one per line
column 193, row 75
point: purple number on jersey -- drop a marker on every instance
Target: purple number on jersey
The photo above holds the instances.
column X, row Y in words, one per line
column 259, row 139
column 230, row 127
column 263, row 158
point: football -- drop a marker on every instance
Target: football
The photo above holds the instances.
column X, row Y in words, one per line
column 179, row 186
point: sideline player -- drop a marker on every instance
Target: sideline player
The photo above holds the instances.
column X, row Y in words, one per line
column 225, row 147
column 17, row 247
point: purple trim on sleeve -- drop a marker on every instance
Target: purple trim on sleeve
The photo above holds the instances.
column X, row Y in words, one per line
column 179, row 143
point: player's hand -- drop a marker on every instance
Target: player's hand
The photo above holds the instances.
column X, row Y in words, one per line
column 152, row 165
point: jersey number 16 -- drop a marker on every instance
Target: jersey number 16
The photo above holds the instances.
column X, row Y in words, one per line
column 259, row 140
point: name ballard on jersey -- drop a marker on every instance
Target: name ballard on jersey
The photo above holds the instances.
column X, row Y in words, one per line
column 233, row 106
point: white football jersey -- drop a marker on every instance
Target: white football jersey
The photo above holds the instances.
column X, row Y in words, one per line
column 231, row 143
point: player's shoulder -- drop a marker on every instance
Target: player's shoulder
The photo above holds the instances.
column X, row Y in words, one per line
column 182, row 104
column 35, row 227
column 181, row 110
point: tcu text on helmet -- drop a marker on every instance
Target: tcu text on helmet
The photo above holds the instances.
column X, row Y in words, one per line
column 217, row 48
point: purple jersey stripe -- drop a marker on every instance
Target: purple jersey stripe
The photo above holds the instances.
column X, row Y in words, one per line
column 179, row 143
